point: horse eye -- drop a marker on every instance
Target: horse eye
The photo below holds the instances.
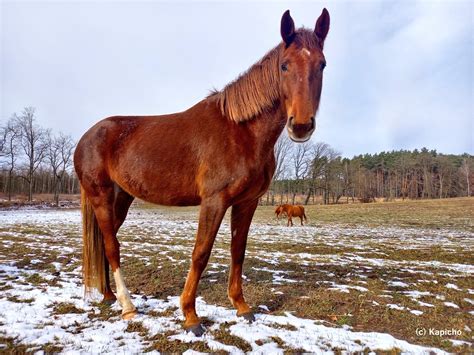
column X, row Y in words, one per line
column 323, row 65
column 284, row 67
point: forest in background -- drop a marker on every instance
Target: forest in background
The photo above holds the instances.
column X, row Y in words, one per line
column 316, row 173
column 36, row 160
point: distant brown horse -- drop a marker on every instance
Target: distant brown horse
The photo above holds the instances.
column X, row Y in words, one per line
column 217, row 154
column 291, row 211
column 280, row 210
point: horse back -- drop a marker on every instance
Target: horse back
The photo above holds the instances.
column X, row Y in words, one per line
column 297, row 210
column 174, row 159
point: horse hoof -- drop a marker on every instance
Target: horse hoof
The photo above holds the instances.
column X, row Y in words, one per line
column 197, row 329
column 129, row 315
column 250, row 316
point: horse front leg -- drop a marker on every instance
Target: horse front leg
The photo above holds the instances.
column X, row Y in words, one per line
column 210, row 217
column 242, row 215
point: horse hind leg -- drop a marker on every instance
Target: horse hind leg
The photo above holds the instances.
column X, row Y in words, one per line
column 110, row 208
column 113, row 219
column 122, row 202
column 109, row 296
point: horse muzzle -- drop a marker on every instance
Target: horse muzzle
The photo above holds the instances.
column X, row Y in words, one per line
column 300, row 132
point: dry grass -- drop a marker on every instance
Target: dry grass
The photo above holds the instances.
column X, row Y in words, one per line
column 11, row 346
column 20, row 300
column 106, row 313
column 137, row 327
column 310, row 298
column 160, row 269
column 223, row 336
column 440, row 213
column 66, row 308
column 162, row 343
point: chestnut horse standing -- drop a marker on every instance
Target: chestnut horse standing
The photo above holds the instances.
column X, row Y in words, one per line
column 291, row 211
column 225, row 142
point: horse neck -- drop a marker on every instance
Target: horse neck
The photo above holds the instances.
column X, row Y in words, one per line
column 268, row 126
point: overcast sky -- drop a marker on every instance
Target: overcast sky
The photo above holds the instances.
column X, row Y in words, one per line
column 399, row 73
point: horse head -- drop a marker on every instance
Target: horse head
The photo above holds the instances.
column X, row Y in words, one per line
column 301, row 74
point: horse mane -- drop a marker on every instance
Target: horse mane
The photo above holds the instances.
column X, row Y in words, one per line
column 256, row 90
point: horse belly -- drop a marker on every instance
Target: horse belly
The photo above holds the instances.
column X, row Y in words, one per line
column 159, row 185
column 164, row 194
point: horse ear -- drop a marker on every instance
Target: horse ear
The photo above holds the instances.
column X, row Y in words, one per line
column 322, row 26
column 287, row 28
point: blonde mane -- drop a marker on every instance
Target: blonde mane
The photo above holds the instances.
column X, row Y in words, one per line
column 256, row 90
column 253, row 91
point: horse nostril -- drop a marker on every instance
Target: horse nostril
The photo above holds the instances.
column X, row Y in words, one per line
column 290, row 121
column 313, row 123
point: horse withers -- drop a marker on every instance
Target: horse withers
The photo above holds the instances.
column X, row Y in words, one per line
column 217, row 154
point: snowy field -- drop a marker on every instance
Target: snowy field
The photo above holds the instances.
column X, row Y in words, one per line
column 318, row 288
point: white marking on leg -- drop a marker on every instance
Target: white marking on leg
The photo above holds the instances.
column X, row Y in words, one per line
column 122, row 293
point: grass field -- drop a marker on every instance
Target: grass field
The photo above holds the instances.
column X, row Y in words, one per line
column 395, row 268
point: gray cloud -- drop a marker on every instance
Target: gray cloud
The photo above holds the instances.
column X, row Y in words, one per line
column 399, row 74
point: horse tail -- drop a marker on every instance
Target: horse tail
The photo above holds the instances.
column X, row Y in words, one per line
column 93, row 252
column 304, row 215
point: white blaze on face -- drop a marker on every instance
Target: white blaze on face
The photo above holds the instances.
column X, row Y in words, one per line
column 306, row 52
column 122, row 293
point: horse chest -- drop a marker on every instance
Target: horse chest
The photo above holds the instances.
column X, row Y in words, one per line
column 253, row 183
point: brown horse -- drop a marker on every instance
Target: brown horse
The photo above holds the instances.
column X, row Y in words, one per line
column 216, row 154
column 280, row 210
column 291, row 211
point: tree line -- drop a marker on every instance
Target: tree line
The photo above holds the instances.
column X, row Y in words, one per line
column 34, row 160
column 317, row 173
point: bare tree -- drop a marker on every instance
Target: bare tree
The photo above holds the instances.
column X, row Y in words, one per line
column 10, row 150
column 282, row 150
column 445, row 172
column 317, row 156
column 33, row 143
column 3, row 140
column 466, row 172
column 426, row 163
column 331, row 174
column 348, row 179
column 301, row 164
column 59, row 156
